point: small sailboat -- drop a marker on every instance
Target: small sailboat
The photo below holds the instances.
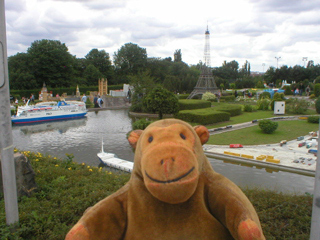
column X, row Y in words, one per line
column 111, row 160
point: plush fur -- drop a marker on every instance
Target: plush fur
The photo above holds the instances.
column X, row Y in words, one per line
column 173, row 193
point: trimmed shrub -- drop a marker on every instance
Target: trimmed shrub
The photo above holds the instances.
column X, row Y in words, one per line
column 317, row 89
column 162, row 101
column 248, row 108
column 182, row 96
column 263, row 104
column 141, row 124
column 279, row 96
column 318, row 105
column 203, row 116
column 233, row 109
column 189, row 104
column 209, row 96
column 313, row 119
column 265, row 95
column 267, row 126
column 228, row 98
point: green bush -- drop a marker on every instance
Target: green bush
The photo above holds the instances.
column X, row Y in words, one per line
column 89, row 104
column 318, row 105
column 317, row 89
column 182, row 96
column 313, row 119
column 312, row 96
column 287, row 90
column 209, row 96
column 233, row 109
column 228, row 98
column 267, row 126
column 138, row 107
column 248, row 108
column 189, row 104
column 265, row 95
column 141, row 124
column 279, row 96
column 263, row 104
column 203, row 116
column 296, row 105
column 162, row 101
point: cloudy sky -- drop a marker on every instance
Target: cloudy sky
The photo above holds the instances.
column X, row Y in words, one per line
column 253, row 30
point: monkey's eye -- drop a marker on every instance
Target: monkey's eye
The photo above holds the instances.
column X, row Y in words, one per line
column 150, row 139
column 182, row 136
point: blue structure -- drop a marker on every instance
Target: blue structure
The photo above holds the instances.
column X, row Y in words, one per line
column 273, row 91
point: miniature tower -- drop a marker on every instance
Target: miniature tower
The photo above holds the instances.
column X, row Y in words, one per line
column 77, row 91
column 43, row 96
column 206, row 81
column 103, row 86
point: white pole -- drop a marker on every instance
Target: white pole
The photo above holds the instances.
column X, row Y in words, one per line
column 315, row 220
column 6, row 143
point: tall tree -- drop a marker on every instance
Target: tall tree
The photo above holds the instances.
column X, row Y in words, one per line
column 51, row 63
column 92, row 75
column 20, row 72
column 101, row 60
column 161, row 101
column 130, row 59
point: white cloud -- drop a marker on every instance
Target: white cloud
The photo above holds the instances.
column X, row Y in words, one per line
column 253, row 30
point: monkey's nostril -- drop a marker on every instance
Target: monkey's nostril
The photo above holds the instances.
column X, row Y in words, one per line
column 161, row 161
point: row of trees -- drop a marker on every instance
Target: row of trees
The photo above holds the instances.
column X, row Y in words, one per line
column 50, row 62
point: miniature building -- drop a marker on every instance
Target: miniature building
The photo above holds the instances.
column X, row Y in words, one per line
column 77, row 92
column 44, row 95
column 103, row 86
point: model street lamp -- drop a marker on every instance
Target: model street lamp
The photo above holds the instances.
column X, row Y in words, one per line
column 277, row 60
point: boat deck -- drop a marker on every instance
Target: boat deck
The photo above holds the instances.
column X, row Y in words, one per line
column 111, row 160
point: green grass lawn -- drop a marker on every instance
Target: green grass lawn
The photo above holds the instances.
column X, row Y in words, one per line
column 287, row 130
column 249, row 116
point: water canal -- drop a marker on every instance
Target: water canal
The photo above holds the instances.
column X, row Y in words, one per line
column 82, row 138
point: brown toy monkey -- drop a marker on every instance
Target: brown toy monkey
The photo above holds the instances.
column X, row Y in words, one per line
column 173, row 193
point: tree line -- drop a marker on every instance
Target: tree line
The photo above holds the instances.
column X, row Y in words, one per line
column 50, row 62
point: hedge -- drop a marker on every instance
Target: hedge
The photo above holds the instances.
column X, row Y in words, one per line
column 313, row 119
column 182, row 96
column 189, row 104
column 234, row 110
column 228, row 98
column 203, row 116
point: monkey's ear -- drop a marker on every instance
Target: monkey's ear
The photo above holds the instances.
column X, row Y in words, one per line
column 203, row 133
column 134, row 137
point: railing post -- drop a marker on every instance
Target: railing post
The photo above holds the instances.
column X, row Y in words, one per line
column 315, row 220
column 6, row 143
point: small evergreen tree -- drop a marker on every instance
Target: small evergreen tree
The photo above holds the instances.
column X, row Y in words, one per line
column 161, row 101
column 267, row 126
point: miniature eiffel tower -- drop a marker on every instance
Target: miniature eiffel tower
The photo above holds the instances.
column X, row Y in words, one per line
column 206, row 81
